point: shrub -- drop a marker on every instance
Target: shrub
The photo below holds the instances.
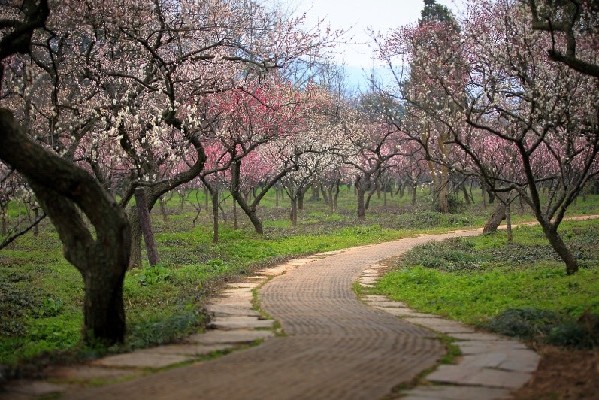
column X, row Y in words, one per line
column 548, row 326
column 525, row 323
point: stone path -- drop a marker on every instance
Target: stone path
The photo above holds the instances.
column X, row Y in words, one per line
column 335, row 346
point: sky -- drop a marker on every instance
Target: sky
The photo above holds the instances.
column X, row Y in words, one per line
column 358, row 16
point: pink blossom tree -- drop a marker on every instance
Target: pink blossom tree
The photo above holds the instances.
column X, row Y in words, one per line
column 249, row 119
column 574, row 29
column 114, row 92
column 521, row 122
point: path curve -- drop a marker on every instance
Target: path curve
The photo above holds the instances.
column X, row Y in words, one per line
column 336, row 347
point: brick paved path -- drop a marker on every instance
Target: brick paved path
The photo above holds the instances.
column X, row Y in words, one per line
column 336, row 347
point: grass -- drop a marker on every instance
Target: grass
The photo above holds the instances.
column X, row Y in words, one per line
column 477, row 280
column 41, row 294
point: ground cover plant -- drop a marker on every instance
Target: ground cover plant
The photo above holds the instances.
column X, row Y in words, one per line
column 514, row 289
column 41, row 296
column 41, row 293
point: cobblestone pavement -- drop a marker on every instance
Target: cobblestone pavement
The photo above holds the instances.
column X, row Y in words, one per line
column 335, row 346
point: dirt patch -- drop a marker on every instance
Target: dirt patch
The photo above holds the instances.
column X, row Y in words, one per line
column 563, row 374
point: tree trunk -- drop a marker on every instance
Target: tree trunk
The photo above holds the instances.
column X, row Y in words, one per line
column 508, row 221
column 301, row 195
column 325, row 195
column 136, row 237
column 65, row 191
column 466, row 196
column 249, row 210
column 163, row 209
column 181, row 201
column 361, row 204
column 560, row 248
column 103, row 308
column 4, row 228
column 145, row 222
column 443, row 199
column 315, row 192
column 495, row 219
column 293, row 213
column 484, row 196
column 336, row 195
column 414, row 193
column 368, row 198
column 235, row 219
column 215, row 223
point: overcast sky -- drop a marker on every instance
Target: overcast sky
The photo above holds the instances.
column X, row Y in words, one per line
column 358, row 16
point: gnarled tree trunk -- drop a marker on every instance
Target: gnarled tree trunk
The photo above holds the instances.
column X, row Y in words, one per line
column 65, row 192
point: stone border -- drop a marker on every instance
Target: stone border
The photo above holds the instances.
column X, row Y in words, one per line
column 490, row 367
column 234, row 324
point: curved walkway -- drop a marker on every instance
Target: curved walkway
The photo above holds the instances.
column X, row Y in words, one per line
column 335, row 347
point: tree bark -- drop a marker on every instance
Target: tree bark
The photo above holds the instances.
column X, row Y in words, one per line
column 300, row 199
column 293, row 213
column 136, row 238
column 560, row 247
column 235, row 216
column 145, row 222
column 65, row 192
column 361, row 204
column 249, row 210
column 414, row 193
column 495, row 219
column 215, row 223
column 4, row 228
column 508, row 221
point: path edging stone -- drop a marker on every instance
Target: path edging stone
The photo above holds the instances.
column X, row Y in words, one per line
column 490, row 367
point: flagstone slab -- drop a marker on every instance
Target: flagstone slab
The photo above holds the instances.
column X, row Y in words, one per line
column 85, row 372
column 478, row 336
column 405, row 312
column 229, row 310
column 272, row 271
column 142, row 359
column 473, row 375
column 240, row 323
column 236, row 291
column 456, row 393
column 485, row 346
column 441, row 325
column 387, row 304
column 518, row 360
column 367, row 279
column 233, row 302
column 235, row 336
column 375, row 298
column 188, row 349
column 243, row 285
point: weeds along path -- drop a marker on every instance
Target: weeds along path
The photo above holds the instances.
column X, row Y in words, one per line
column 335, row 348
